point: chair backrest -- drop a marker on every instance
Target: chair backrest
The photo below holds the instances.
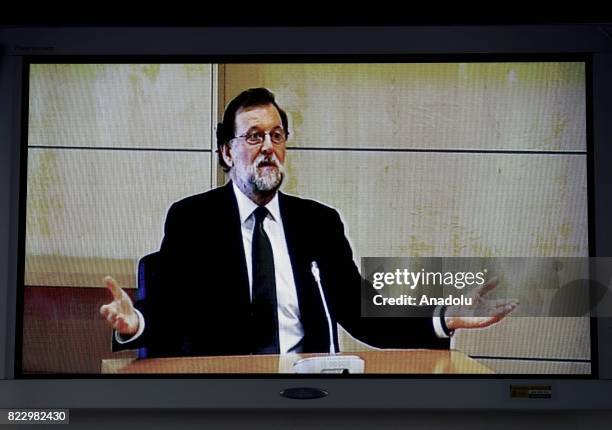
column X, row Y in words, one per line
column 147, row 274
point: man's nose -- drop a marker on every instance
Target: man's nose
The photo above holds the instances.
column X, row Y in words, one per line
column 266, row 146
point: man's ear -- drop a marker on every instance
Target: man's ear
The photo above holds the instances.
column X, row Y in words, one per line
column 227, row 155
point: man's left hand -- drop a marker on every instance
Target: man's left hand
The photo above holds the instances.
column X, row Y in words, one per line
column 482, row 313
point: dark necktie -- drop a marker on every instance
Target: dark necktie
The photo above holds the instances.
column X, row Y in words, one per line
column 264, row 308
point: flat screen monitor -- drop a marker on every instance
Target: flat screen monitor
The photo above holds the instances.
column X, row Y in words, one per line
column 363, row 216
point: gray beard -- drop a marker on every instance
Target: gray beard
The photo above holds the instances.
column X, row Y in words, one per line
column 269, row 181
column 262, row 182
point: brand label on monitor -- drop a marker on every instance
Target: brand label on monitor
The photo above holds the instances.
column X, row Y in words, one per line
column 530, row 391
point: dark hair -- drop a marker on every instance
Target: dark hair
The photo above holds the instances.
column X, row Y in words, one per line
column 226, row 130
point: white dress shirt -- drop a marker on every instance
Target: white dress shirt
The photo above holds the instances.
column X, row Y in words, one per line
column 290, row 330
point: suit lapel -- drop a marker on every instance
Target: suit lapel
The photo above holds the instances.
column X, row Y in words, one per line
column 297, row 243
column 301, row 252
column 233, row 246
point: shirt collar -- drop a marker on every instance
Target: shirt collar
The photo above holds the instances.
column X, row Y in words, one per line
column 246, row 206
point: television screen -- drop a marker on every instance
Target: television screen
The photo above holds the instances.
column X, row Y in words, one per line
column 403, row 216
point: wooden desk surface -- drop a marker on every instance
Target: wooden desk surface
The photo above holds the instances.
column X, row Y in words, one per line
column 419, row 361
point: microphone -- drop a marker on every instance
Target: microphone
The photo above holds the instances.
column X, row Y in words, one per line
column 334, row 363
column 314, row 268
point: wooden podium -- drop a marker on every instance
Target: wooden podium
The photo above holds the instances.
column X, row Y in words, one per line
column 419, row 361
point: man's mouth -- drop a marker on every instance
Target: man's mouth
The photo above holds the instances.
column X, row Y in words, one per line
column 267, row 164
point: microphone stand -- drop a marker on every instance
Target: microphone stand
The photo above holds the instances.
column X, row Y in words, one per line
column 334, row 363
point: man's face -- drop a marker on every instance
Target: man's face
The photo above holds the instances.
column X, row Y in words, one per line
column 257, row 167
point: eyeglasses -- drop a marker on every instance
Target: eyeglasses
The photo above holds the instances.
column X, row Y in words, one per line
column 277, row 135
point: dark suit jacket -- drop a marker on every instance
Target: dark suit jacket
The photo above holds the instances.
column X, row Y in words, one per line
column 198, row 302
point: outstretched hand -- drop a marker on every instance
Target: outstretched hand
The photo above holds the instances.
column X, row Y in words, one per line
column 120, row 313
column 482, row 313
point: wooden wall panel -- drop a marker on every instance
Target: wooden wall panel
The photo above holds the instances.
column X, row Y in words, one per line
column 121, row 105
column 90, row 211
column 511, row 106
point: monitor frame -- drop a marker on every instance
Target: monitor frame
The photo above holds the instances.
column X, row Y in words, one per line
column 594, row 41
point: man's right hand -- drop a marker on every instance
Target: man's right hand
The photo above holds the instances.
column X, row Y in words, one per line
column 120, row 313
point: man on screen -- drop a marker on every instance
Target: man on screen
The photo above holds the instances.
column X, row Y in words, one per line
column 239, row 267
